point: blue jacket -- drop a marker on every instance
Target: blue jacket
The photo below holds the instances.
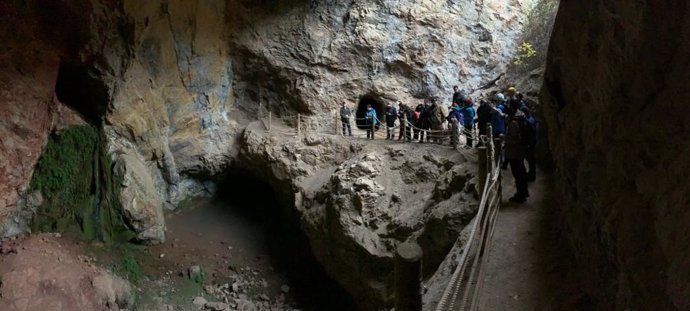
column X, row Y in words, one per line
column 468, row 114
column 457, row 113
column 498, row 122
column 371, row 116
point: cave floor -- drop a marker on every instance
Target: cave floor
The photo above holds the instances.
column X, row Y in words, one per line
column 528, row 267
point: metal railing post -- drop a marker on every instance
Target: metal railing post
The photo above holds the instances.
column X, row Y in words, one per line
column 408, row 276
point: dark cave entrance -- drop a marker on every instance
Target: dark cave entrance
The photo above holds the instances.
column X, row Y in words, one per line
column 256, row 203
column 79, row 87
column 361, row 112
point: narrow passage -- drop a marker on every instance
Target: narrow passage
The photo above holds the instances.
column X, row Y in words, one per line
column 529, row 266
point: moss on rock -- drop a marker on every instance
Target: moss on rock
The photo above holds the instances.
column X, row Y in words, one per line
column 74, row 176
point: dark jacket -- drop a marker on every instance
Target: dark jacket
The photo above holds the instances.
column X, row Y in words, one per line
column 484, row 114
column 345, row 113
column 423, row 121
column 404, row 114
column 391, row 115
column 531, row 131
column 457, row 97
column 515, row 139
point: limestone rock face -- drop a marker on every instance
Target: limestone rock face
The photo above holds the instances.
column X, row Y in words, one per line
column 312, row 58
column 140, row 201
column 356, row 201
column 614, row 97
column 29, row 110
column 172, row 103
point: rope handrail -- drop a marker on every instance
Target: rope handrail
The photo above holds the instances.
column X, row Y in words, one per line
column 463, row 289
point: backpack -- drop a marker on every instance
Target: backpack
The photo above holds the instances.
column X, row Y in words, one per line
column 415, row 116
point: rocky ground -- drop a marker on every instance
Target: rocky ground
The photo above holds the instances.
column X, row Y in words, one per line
column 42, row 272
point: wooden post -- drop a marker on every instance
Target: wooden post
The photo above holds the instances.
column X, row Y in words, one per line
column 408, row 276
column 270, row 117
column 299, row 120
column 483, row 168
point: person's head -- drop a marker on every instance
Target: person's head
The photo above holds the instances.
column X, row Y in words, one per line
column 369, row 107
column 342, row 104
column 483, row 102
column 434, row 100
column 519, row 96
column 467, row 101
column 455, row 88
column 511, row 91
column 500, row 97
column 390, row 104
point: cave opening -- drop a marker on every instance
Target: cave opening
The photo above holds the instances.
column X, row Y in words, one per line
column 361, row 112
column 79, row 87
column 272, row 229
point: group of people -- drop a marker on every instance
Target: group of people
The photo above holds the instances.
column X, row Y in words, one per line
column 512, row 123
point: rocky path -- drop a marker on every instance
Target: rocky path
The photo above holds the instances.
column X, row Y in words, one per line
column 527, row 267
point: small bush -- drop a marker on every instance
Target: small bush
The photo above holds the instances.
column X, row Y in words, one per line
column 130, row 268
column 525, row 51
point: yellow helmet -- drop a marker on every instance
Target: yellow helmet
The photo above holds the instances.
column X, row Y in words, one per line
column 511, row 91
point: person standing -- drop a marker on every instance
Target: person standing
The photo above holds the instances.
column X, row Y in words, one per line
column 371, row 122
column 531, row 132
column 515, row 151
column 423, row 121
column 391, row 116
column 436, row 119
column 458, row 96
column 456, row 120
column 483, row 117
column 468, row 120
column 345, row 115
column 405, row 117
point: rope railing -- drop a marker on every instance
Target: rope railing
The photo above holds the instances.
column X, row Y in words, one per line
column 302, row 126
column 463, row 289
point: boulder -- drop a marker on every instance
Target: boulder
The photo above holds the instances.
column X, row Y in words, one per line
column 140, row 201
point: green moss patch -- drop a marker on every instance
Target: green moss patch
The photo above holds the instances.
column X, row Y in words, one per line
column 74, row 174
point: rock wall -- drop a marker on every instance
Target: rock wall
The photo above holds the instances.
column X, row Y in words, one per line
column 356, row 201
column 614, row 98
column 174, row 82
column 29, row 110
